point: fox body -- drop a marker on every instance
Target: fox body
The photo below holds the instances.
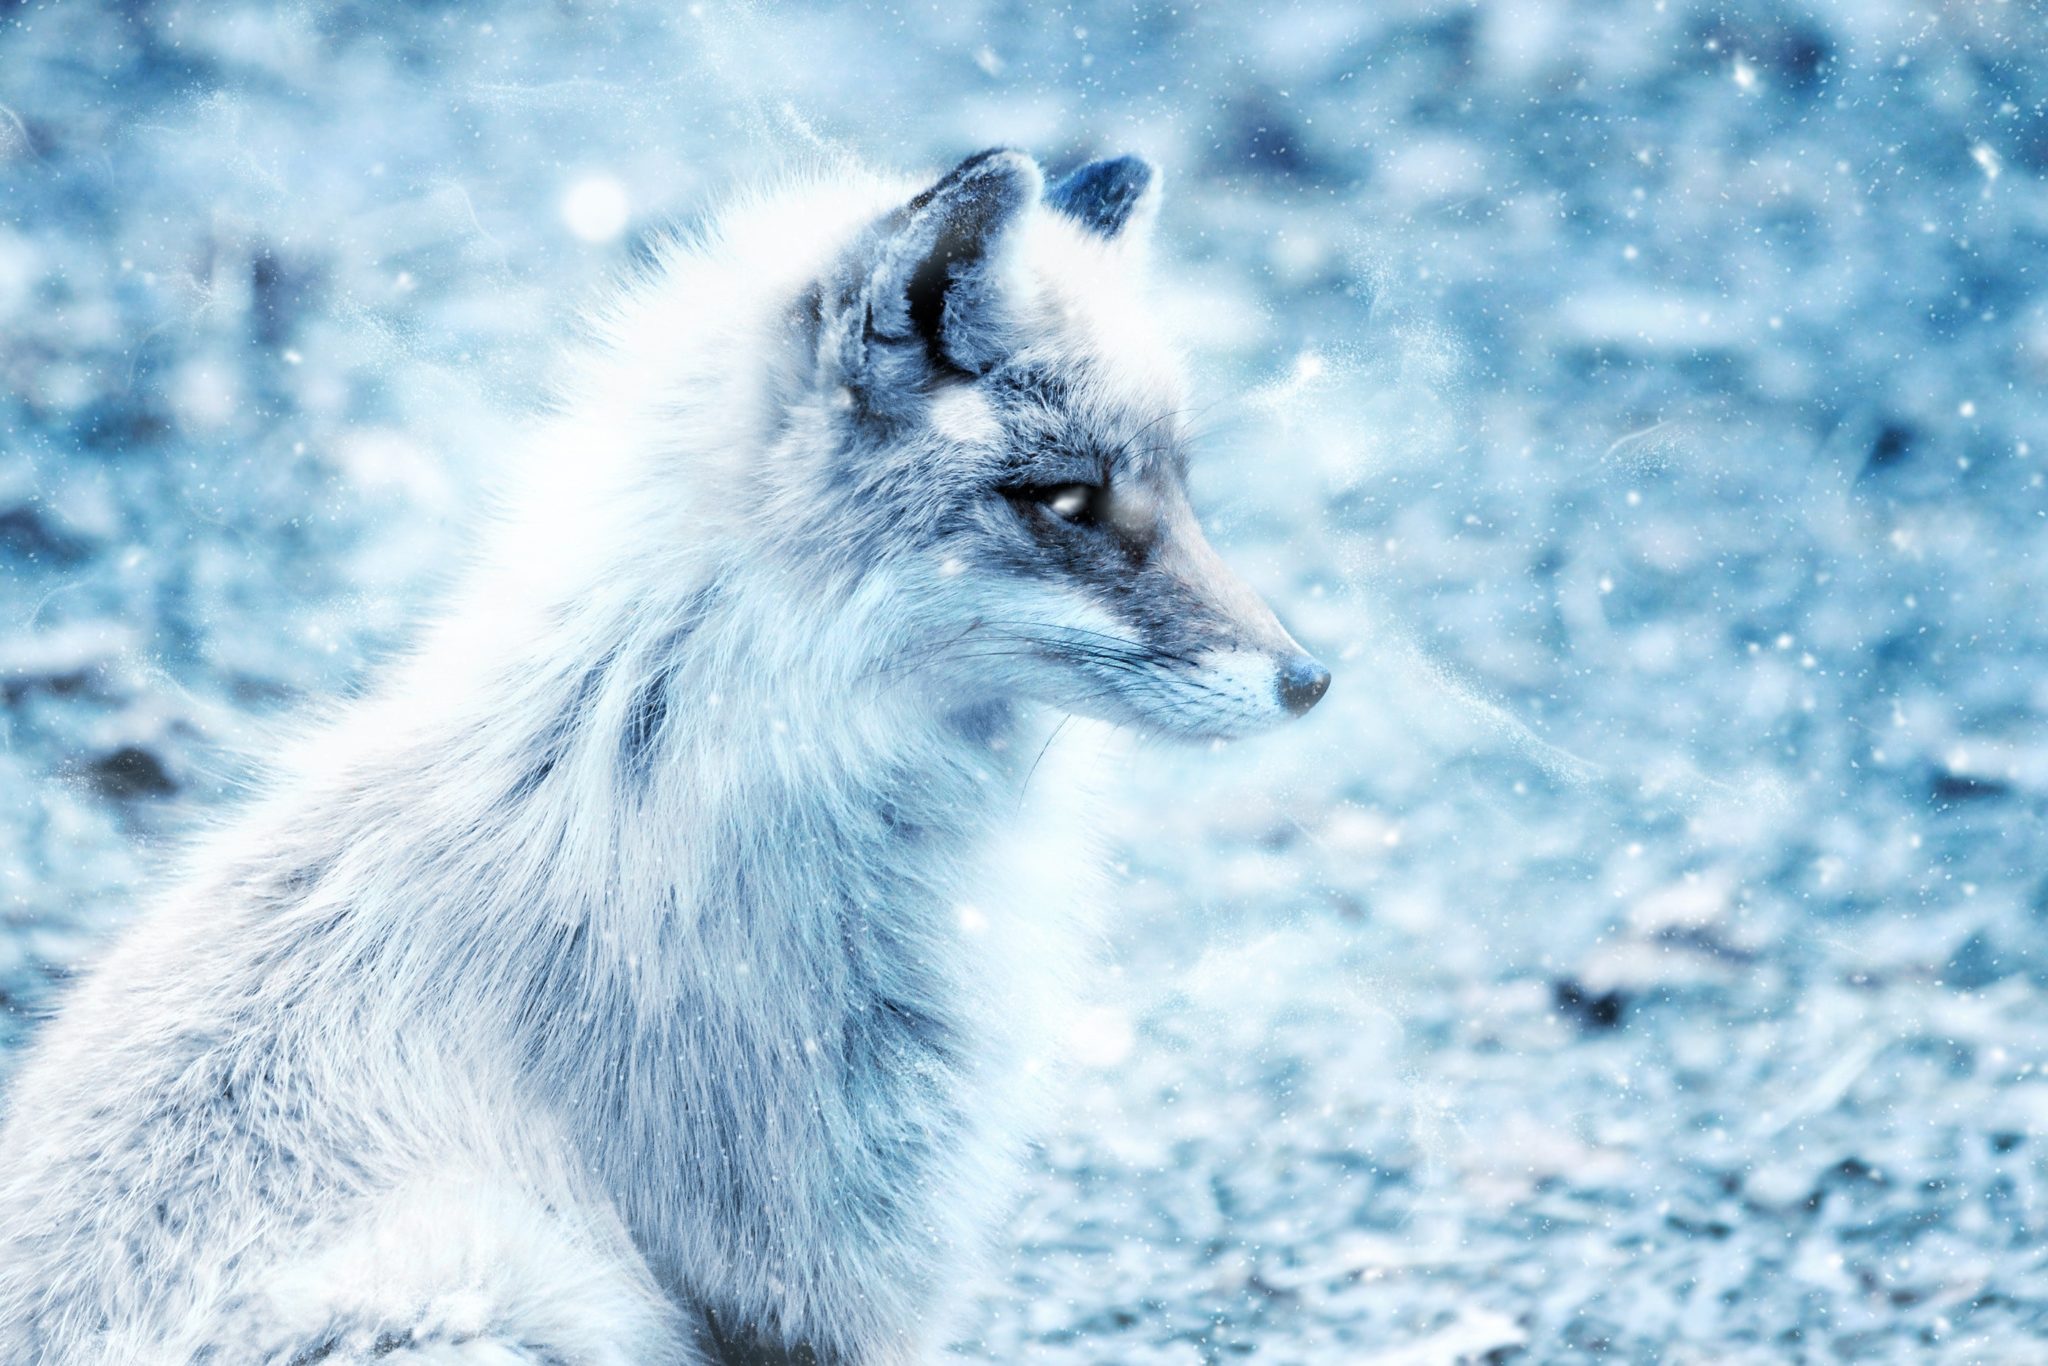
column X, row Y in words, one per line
column 651, row 969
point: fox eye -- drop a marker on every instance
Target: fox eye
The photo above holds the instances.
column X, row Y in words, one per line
column 1076, row 503
column 1070, row 501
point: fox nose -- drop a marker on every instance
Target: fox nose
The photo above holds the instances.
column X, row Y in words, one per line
column 1302, row 684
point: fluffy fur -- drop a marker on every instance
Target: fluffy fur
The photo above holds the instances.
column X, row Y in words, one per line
column 651, row 970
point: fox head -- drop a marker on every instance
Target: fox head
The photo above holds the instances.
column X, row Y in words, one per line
column 998, row 428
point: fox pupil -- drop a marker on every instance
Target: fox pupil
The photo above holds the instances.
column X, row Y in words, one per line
column 1071, row 502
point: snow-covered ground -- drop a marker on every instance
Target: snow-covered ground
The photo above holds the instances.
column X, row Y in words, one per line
column 1641, row 953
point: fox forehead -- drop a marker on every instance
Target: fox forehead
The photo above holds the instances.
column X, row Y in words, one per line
column 1077, row 419
column 1092, row 374
column 1087, row 310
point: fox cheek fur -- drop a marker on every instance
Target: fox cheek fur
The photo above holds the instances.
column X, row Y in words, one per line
column 652, row 969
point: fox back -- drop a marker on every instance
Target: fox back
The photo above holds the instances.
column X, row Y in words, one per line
column 656, row 966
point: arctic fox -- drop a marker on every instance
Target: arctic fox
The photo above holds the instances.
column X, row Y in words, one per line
column 648, row 972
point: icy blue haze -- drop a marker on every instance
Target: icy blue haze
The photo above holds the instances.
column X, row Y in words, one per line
column 1644, row 406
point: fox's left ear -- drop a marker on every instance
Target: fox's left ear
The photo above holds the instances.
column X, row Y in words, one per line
column 1110, row 196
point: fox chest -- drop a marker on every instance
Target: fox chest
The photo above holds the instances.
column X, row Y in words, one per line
column 844, row 1078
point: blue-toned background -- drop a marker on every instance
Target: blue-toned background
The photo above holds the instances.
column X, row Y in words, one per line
column 1639, row 955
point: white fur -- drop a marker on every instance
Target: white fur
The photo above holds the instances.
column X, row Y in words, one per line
column 465, row 1042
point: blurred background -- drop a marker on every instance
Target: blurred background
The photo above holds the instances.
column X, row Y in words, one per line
column 1638, row 956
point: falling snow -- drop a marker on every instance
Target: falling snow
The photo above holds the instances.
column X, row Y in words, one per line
column 1639, row 955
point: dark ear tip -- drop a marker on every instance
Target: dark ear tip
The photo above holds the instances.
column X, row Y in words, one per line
column 1132, row 169
column 1104, row 194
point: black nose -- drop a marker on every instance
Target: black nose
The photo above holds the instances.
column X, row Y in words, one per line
column 1302, row 684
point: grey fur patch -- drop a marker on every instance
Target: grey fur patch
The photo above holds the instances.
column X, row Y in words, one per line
column 560, row 732
column 737, row 1347
column 648, row 711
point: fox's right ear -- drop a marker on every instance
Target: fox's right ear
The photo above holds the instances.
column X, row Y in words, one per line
column 1110, row 196
column 929, row 288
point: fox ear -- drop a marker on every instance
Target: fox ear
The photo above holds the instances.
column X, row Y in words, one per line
column 1108, row 195
column 933, row 297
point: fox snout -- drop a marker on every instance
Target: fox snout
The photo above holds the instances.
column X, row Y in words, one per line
column 1303, row 681
column 1245, row 689
column 1197, row 607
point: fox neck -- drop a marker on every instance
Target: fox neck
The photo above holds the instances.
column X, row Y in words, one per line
column 772, row 849
column 718, row 749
